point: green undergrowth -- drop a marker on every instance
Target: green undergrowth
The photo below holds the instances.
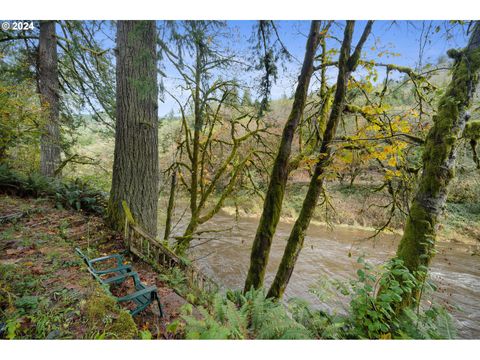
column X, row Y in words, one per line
column 45, row 291
column 75, row 194
column 375, row 310
column 239, row 316
column 29, row 311
column 371, row 314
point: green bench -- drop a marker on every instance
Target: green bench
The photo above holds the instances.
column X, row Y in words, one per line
column 143, row 295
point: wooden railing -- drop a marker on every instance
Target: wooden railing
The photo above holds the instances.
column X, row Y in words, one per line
column 160, row 257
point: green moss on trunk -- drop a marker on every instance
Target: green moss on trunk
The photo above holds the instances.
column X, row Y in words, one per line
column 416, row 248
column 346, row 65
column 278, row 178
column 171, row 204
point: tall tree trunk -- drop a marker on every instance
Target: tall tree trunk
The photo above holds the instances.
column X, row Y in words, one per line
column 346, row 65
column 198, row 124
column 416, row 248
column 278, row 178
column 48, row 87
column 135, row 166
column 171, row 203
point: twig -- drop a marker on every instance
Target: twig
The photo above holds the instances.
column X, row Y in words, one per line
column 203, row 257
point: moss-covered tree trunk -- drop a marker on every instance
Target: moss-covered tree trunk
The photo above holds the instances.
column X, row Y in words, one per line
column 346, row 64
column 135, row 167
column 278, row 177
column 416, row 247
column 48, row 87
column 171, row 204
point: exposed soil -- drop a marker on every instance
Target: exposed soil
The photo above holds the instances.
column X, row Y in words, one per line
column 38, row 241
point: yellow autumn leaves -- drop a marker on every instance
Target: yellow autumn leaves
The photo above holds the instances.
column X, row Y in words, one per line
column 378, row 140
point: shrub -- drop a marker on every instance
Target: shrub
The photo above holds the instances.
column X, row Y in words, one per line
column 465, row 191
column 79, row 195
column 76, row 194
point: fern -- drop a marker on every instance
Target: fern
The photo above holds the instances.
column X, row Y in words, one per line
column 241, row 316
column 276, row 324
column 238, row 315
column 444, row 325
column 76, row 194
column 227, row 313
column 205, row 328
column 318, row 322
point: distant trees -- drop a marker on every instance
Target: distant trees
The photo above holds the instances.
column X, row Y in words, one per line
column 19, row 118
column 71, row 72
column 48, row 87
column 87, row 70
column 71, row 63
column 247, row 98
column 135, row 168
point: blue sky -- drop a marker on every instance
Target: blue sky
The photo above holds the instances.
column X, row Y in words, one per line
column 401, row 37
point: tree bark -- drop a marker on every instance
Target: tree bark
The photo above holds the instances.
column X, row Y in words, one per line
column 171, row 203
column 416, row 248
column 278, row 178
column 346, row 66
column 135, row 168
column 198, row 124
column 48, row 87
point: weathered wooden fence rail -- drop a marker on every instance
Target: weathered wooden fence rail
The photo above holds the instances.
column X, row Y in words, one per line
column 156, row 254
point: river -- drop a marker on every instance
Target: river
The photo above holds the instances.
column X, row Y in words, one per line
column 333, row 254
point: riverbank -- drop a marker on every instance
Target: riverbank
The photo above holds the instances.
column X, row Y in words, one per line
column 360, row 207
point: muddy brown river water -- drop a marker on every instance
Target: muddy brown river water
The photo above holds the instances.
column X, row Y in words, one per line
column 225, row 257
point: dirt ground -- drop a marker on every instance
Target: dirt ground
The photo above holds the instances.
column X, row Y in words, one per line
column 43, row 282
